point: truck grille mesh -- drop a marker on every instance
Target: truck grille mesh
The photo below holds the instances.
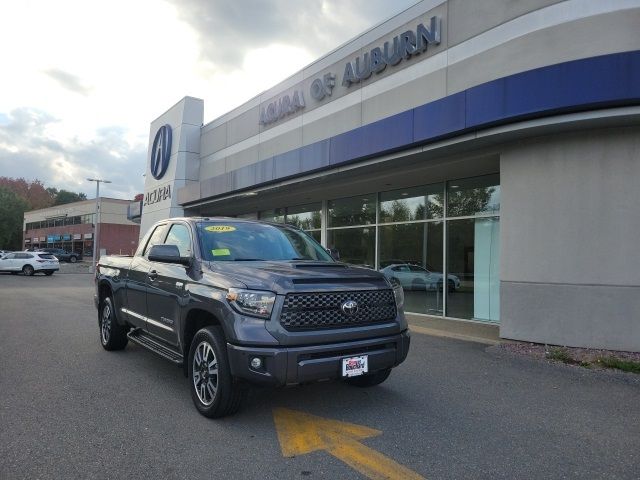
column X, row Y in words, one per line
column 315, row 311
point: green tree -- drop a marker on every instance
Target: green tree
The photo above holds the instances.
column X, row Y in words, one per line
column 65, row 196
column 12, row 209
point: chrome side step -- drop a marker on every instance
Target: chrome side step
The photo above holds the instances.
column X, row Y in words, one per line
column 144, row 340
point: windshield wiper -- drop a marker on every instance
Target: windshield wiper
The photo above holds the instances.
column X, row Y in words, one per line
column 248, row 260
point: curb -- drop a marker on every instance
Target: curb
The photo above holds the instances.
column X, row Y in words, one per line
column 457, row 336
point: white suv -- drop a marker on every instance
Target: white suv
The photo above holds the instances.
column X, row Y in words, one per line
column 29, row 263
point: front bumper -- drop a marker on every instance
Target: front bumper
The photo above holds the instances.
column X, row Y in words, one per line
column 294, row 365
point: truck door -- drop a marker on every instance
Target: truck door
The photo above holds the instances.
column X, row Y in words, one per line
column 166, row 287
column 136, row 300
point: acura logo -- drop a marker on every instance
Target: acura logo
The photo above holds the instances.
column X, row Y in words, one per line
column 161, row 152
column 350, row 308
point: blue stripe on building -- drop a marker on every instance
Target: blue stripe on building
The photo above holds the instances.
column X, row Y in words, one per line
column 598, row 82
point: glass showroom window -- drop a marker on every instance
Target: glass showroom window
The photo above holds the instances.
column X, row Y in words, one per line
column 306, row 217
column 356, row 246
column 417, row 203
column 345, row 212
column 351, row 229
column 411, row 253
column 275, row 215
column 473, row 248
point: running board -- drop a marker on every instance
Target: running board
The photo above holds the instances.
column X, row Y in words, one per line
column 144, row 340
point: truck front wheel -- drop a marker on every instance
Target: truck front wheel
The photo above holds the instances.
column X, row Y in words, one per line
column 112, row 335
column 214, row 391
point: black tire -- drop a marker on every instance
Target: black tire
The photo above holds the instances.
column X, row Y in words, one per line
column 369, row 380
column 452, row 286
column 73, row 259
column 208, row 345
column 112, row 335
column 49, row 272
column 28, row 270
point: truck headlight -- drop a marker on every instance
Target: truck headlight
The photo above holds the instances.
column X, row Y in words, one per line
column 398, row 292
column 252, row 302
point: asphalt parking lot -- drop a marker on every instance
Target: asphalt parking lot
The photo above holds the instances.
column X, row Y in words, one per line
column 69, row 409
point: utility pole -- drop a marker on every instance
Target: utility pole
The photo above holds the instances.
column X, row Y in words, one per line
column 96, row 221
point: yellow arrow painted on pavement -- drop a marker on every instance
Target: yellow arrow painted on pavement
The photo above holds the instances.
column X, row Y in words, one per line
column 300, row 433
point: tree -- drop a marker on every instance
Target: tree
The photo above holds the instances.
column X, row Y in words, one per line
column 65, row 196
column 12, row 209
column 18, row 196
column 33, row 193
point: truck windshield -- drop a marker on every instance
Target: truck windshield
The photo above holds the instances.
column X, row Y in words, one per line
column 246, row 241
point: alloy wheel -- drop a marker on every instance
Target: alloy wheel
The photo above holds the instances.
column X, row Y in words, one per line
column 205, row 373
column 105, row 327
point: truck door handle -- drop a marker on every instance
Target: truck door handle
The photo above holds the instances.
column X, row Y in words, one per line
column 152, row 275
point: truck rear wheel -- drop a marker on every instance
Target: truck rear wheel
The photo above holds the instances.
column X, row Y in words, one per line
column 370, row 380
column 214, row 391
column 112, row 335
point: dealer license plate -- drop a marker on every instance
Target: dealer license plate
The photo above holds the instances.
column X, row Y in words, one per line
column 354, row 366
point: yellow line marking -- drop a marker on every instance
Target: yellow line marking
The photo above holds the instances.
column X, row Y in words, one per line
column 300, row 433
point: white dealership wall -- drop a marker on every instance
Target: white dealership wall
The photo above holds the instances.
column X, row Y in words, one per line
column 185, row 120
column 568, row 276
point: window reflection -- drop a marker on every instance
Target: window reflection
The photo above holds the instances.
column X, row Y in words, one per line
column 412, row 255
column 306, row 217
column 409, row 204
column 471, row 196
column 275, row 215
column 356, row 245
column 360, row 210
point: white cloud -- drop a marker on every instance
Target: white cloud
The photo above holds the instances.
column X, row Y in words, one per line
column 83, row 79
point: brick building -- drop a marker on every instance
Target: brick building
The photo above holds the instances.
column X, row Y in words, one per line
column 71, row 227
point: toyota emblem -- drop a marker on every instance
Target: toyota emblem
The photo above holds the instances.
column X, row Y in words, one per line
column 350, row 307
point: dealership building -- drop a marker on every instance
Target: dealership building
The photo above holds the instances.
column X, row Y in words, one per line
column 72, row 227
column 494, row 144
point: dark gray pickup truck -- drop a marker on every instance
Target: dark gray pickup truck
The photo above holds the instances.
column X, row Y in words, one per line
column 238, row 302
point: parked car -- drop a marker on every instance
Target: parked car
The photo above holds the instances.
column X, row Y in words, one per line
column 415, row 277
column 29, row 263
column 62, row 255
column 237, row 302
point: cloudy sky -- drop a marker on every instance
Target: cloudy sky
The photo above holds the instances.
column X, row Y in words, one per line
column 81, row 80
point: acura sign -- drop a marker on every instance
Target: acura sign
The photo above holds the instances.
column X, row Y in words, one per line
column 160, row 152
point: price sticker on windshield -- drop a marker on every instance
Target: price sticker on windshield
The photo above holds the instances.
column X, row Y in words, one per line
column 220, row 228
column 220, row 252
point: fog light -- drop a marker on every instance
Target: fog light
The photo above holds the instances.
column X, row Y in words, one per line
column 256, row 362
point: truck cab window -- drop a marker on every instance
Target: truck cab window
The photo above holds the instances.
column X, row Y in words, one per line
column 156, row 238
column 179, row 236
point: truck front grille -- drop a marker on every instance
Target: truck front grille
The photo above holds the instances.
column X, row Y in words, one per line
column 316, row 311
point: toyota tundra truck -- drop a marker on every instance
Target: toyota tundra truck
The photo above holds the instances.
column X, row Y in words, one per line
column 239, row 302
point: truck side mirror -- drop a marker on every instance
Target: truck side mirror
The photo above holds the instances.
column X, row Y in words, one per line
column 167, row 254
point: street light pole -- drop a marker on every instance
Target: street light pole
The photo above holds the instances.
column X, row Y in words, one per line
column 96, row 221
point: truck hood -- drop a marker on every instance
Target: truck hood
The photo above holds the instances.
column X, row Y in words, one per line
column 299, row 275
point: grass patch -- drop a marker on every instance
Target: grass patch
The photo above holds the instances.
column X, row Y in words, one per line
column 624, row 365
column 564, row 355
column 560, row 354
